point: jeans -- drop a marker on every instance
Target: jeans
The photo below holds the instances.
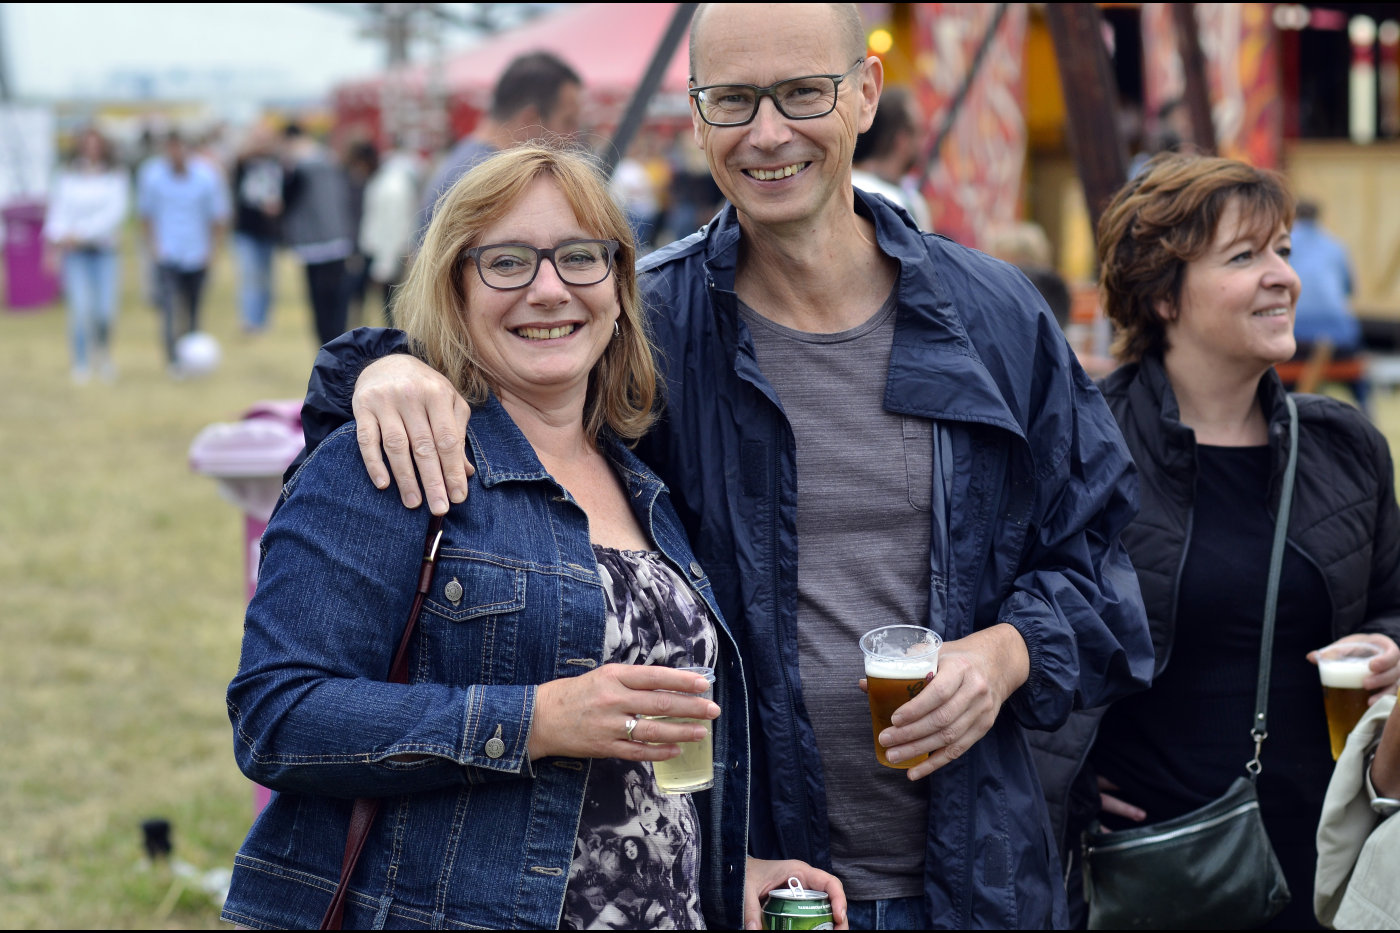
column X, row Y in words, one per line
column 90, row 279
column 255, row 255
column 180, row 291
column 895, row 913
column 330, row 299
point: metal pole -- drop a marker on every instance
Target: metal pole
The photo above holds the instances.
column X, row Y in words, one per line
column 635, row 113
column 1091, row 102
column 1193, row 66
column 4, row 57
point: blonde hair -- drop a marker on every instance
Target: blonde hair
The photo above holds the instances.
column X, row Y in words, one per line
column 431, row 307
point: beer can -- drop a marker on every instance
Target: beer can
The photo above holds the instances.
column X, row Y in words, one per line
column 796, row 908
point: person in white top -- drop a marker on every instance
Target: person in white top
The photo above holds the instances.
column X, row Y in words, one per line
column 90, row 201
column 389, row 222
column 888, row 152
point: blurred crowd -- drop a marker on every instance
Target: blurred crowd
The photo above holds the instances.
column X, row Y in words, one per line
column 349, row 213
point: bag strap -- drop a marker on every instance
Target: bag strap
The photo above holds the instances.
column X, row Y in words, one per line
column 367, row 808
column 1260, row 729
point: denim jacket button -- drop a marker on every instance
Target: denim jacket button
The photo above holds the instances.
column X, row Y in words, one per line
column 453, row 591
column 695, row 570
column 495, row 747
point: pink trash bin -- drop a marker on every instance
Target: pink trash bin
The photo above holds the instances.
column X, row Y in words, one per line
column 28, row 285
column 247, row 458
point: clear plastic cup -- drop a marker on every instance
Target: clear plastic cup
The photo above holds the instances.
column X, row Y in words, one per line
column 1343, row 665
column 694, row 768
column 898, row 662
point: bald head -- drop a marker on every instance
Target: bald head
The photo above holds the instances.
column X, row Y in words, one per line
column 847, row 28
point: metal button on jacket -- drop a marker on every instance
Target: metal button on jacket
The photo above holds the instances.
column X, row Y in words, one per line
column 453, row 591
column 495, row 748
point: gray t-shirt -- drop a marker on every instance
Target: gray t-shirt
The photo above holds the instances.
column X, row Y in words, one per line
column 864, row 477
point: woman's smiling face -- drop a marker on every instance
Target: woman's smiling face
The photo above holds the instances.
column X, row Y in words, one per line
column 1237, row 301
column 539, row 342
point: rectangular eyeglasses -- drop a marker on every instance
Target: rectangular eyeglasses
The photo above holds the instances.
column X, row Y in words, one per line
column 805, row 98
column 507, row 266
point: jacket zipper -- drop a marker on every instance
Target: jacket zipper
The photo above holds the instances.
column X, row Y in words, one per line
column 774, row 537
column 1177, row 833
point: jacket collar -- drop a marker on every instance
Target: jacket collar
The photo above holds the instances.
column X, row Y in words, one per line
column 1172, row 443
column 935, row 371
column 501, row 453
column 498, row 449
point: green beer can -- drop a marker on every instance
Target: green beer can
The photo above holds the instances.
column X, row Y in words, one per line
column 796, row 908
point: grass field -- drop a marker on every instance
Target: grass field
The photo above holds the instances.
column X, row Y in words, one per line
column 121, row 604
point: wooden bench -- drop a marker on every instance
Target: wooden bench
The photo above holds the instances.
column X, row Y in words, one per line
column 1319, row 368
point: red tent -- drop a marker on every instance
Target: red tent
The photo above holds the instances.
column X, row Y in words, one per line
column 610, row 45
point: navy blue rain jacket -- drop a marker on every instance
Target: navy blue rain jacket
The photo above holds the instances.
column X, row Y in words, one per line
column 1039, row 488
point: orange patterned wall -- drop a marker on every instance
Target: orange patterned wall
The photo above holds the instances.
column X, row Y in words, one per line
column 1242, row 70
column 975, row 184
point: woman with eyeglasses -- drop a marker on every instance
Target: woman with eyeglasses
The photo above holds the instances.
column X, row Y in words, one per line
column 518, row 759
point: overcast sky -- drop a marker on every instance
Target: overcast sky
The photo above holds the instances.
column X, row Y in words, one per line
column 61, row 49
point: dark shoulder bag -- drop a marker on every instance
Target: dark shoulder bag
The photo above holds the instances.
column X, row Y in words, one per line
column 1213, row 868
column 367, row 808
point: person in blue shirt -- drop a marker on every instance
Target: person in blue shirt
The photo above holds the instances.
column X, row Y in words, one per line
column 1324, row 310
column 538, row 96
column 184, row 208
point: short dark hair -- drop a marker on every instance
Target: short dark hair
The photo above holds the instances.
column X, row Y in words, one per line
column 1164, row 219
column 534, row 78
column 892, row 117
column 108, row 151
column 1053, row 289
column 363, row 152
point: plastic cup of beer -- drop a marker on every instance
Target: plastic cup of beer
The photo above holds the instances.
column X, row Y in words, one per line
column 694, row 768
column 1343, row 665
column 898, row 660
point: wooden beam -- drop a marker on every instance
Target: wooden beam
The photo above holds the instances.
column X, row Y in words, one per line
column 1193, row 66
column 1091, row 102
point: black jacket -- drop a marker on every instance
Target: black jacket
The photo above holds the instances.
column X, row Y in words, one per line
column 1344, row 519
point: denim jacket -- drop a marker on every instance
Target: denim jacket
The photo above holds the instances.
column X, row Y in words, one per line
column 468, row 835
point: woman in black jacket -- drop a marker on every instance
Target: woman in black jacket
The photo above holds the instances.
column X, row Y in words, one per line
column 1195, row 275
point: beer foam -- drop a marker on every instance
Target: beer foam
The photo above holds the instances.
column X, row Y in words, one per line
column 901, row 668
column 1344, row 673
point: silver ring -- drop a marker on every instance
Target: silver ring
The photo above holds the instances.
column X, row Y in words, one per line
column 631, row 724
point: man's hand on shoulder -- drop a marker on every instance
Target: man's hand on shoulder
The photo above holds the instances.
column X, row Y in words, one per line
column 411, row 414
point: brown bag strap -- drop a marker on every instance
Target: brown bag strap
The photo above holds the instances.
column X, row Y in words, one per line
column 366, row 808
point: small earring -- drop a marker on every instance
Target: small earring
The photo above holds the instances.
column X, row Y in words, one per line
column 617, row 331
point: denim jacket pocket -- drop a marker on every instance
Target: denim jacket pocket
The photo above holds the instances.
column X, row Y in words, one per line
column 472, row 630
column 467, row 588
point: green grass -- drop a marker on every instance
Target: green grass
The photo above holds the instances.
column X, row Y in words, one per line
column 121, row 606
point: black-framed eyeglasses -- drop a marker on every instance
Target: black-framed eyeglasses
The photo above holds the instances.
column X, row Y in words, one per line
column 805, row 98
column 507, row 266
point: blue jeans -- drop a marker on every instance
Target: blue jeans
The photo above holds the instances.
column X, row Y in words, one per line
column 90, row 278
column 180, row 292
column 255, row 256
column 895, row 913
